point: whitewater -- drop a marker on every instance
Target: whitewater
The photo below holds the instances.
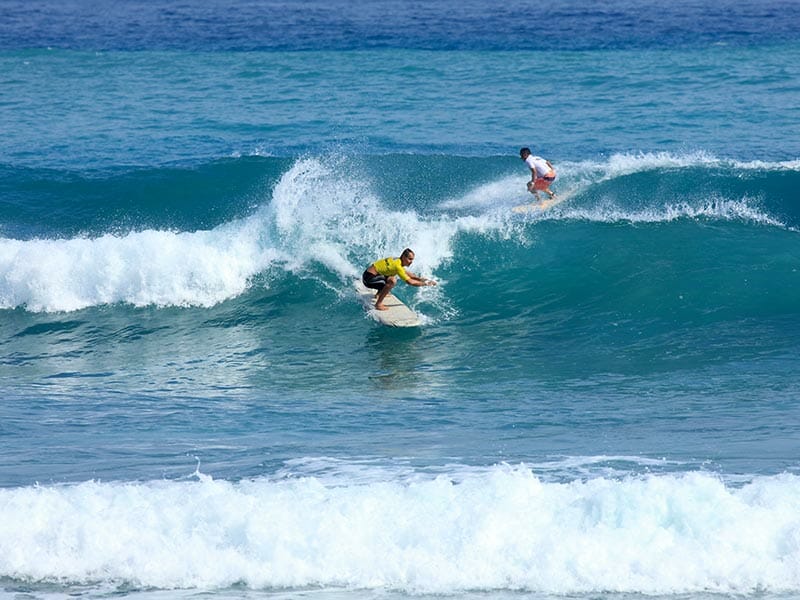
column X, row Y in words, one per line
column 480, row 529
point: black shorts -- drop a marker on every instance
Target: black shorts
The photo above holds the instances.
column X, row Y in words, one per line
column 375, row 282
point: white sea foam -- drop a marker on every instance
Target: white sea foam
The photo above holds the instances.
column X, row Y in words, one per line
column 148, row 267
column 493, row 528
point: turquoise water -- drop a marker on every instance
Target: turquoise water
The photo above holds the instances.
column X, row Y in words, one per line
column 602, row 399
column 150, row 109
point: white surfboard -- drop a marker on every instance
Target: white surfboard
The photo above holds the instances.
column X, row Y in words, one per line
column 397, row 315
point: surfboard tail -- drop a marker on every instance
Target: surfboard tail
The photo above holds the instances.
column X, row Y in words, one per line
column 397, row 313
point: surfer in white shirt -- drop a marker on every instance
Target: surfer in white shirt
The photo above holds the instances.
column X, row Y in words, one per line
column 542, row 173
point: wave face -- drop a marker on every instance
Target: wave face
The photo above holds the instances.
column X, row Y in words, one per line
column 672, row 234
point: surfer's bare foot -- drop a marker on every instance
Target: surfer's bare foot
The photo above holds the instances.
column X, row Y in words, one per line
column 381, row 307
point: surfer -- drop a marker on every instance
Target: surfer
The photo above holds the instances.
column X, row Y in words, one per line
column 382, row 275
column 542, row 173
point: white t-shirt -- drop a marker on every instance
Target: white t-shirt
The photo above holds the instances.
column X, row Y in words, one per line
column 538, row 164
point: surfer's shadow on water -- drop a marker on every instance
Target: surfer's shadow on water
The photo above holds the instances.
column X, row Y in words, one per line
column 401, row 361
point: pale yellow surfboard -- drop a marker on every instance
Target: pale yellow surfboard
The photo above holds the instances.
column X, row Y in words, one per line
column 398, row 315
column 541, row 206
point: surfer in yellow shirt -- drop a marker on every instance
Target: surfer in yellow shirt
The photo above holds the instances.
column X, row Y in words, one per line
column 382, row 275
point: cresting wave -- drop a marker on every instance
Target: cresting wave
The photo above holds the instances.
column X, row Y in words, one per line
column 323, row 215
column 491, row 528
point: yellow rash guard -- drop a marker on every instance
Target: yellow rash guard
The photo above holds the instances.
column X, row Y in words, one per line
column 391, row 266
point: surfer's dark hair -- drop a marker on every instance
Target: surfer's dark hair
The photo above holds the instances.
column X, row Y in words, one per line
column 523, row 151
column 406, row 252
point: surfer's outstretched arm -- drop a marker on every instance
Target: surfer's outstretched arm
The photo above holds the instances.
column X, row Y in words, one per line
column 418, row 281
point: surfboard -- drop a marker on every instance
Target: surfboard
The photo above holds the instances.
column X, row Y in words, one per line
column 398, row 315
column 537, row 206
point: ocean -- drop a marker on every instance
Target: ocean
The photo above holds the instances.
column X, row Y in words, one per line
column 602, row 402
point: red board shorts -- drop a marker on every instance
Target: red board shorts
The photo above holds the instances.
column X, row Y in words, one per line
column 543, row 183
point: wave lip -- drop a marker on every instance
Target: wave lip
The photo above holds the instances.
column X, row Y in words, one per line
column 495, row 528
column 721, row 209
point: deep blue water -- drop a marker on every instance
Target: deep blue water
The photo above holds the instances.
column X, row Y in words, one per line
column 258, row 25
column 602, row 401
